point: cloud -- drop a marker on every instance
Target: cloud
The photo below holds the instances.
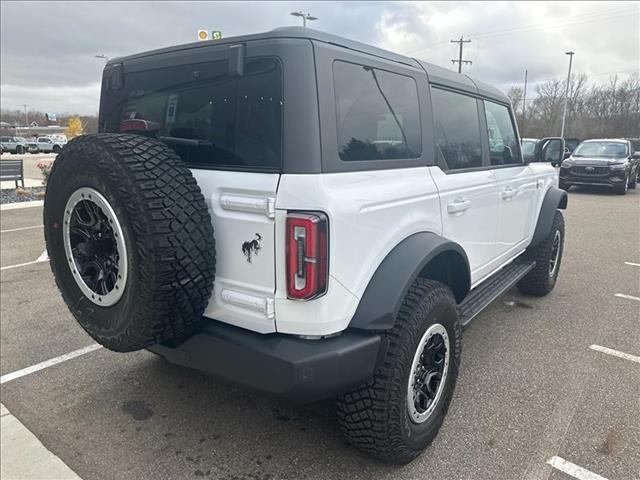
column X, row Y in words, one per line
column 48, row 61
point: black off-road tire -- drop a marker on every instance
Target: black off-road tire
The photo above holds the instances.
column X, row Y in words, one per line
column 167, row 231
column 375, row 417
column 19, row 150
column 56, row 149
column 540, row 280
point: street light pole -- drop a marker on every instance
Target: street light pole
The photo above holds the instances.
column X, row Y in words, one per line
column 566, row 94
column 524, row 98
column 304, row 16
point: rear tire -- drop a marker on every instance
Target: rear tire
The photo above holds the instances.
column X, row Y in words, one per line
column 130, row 240
column 378, row 417
column 19, row 150
column 548, row 257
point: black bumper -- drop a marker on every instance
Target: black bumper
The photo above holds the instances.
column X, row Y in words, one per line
column 612, row 178
column 301, row 371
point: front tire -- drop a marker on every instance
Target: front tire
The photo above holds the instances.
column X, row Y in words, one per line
column 622, row 189
column 548, row 257
column 397, row 413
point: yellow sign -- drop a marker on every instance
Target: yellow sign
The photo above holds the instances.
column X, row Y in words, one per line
column 203, row 35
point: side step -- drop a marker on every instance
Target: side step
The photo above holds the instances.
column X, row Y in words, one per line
column 492, row 288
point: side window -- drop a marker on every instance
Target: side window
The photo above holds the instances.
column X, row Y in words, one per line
column 457, row 129
column 503, row 145
column 377, row 114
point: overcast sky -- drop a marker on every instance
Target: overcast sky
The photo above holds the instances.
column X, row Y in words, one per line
column 48, row 48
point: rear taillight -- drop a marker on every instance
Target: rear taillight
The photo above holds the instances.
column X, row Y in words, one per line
column 307, row 255
column 136, row 124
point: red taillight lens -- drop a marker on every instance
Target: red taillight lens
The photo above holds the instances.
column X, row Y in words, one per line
column 307, row 255
column 136, row 124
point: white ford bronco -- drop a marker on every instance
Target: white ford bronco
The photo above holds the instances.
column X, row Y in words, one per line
column 303, row 215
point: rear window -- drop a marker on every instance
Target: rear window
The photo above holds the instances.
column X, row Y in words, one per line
column 377, row 114
column 210, row 118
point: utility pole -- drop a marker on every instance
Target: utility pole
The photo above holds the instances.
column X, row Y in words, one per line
column 566, row 94
column 26, row 118
column 460, row 61
column 524, row 98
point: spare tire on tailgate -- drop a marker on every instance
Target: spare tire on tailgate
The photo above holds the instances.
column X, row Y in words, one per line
column 130, row 240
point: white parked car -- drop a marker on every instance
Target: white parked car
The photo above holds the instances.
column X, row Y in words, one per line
column 362, row 212
column 49, row 144
column 15, row 145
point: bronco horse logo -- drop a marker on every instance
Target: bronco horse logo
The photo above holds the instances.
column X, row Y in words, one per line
column 252, row 247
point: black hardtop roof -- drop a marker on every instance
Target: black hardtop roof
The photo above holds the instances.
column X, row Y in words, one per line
column 438, row 75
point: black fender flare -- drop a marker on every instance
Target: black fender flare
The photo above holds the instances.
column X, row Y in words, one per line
column 381, row 301
column 554, row 199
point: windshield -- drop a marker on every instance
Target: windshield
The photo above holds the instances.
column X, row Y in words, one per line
column 601, row 149
column 528, row 147
column 571, row 144
column 20, row 139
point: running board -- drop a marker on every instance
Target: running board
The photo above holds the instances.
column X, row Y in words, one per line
column 492, row 288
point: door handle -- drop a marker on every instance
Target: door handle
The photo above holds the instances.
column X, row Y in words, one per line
column 508, row 193
column 458, row 205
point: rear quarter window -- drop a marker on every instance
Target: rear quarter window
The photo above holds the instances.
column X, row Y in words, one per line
column 378, row 114
column 228, row 122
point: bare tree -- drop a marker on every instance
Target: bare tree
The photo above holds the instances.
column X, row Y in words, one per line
column 598, row 110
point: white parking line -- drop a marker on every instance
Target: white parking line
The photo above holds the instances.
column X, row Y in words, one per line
column 632, row 264
column 48, row 363
column 615, row 353
column 573, row 470
column 628, row 297
column 42, row 258
column 20, row 229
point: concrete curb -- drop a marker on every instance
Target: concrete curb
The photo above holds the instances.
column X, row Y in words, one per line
column 24, row 457
column 14, row 206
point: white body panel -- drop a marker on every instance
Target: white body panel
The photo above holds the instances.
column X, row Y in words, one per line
column 369, row 214
column 469, row 206
column 242, row 204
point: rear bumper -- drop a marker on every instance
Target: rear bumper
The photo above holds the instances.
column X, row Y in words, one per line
column 302, row 371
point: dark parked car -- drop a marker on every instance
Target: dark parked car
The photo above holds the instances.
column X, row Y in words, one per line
column 612, row 163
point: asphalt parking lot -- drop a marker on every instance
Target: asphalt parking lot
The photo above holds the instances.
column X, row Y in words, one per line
column 530, row 386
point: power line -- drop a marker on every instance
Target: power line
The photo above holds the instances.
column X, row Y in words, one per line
column 592, row 17
column 460, row 61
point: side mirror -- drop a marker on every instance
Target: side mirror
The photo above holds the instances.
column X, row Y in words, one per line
column 550, row 149
column 636, row 155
